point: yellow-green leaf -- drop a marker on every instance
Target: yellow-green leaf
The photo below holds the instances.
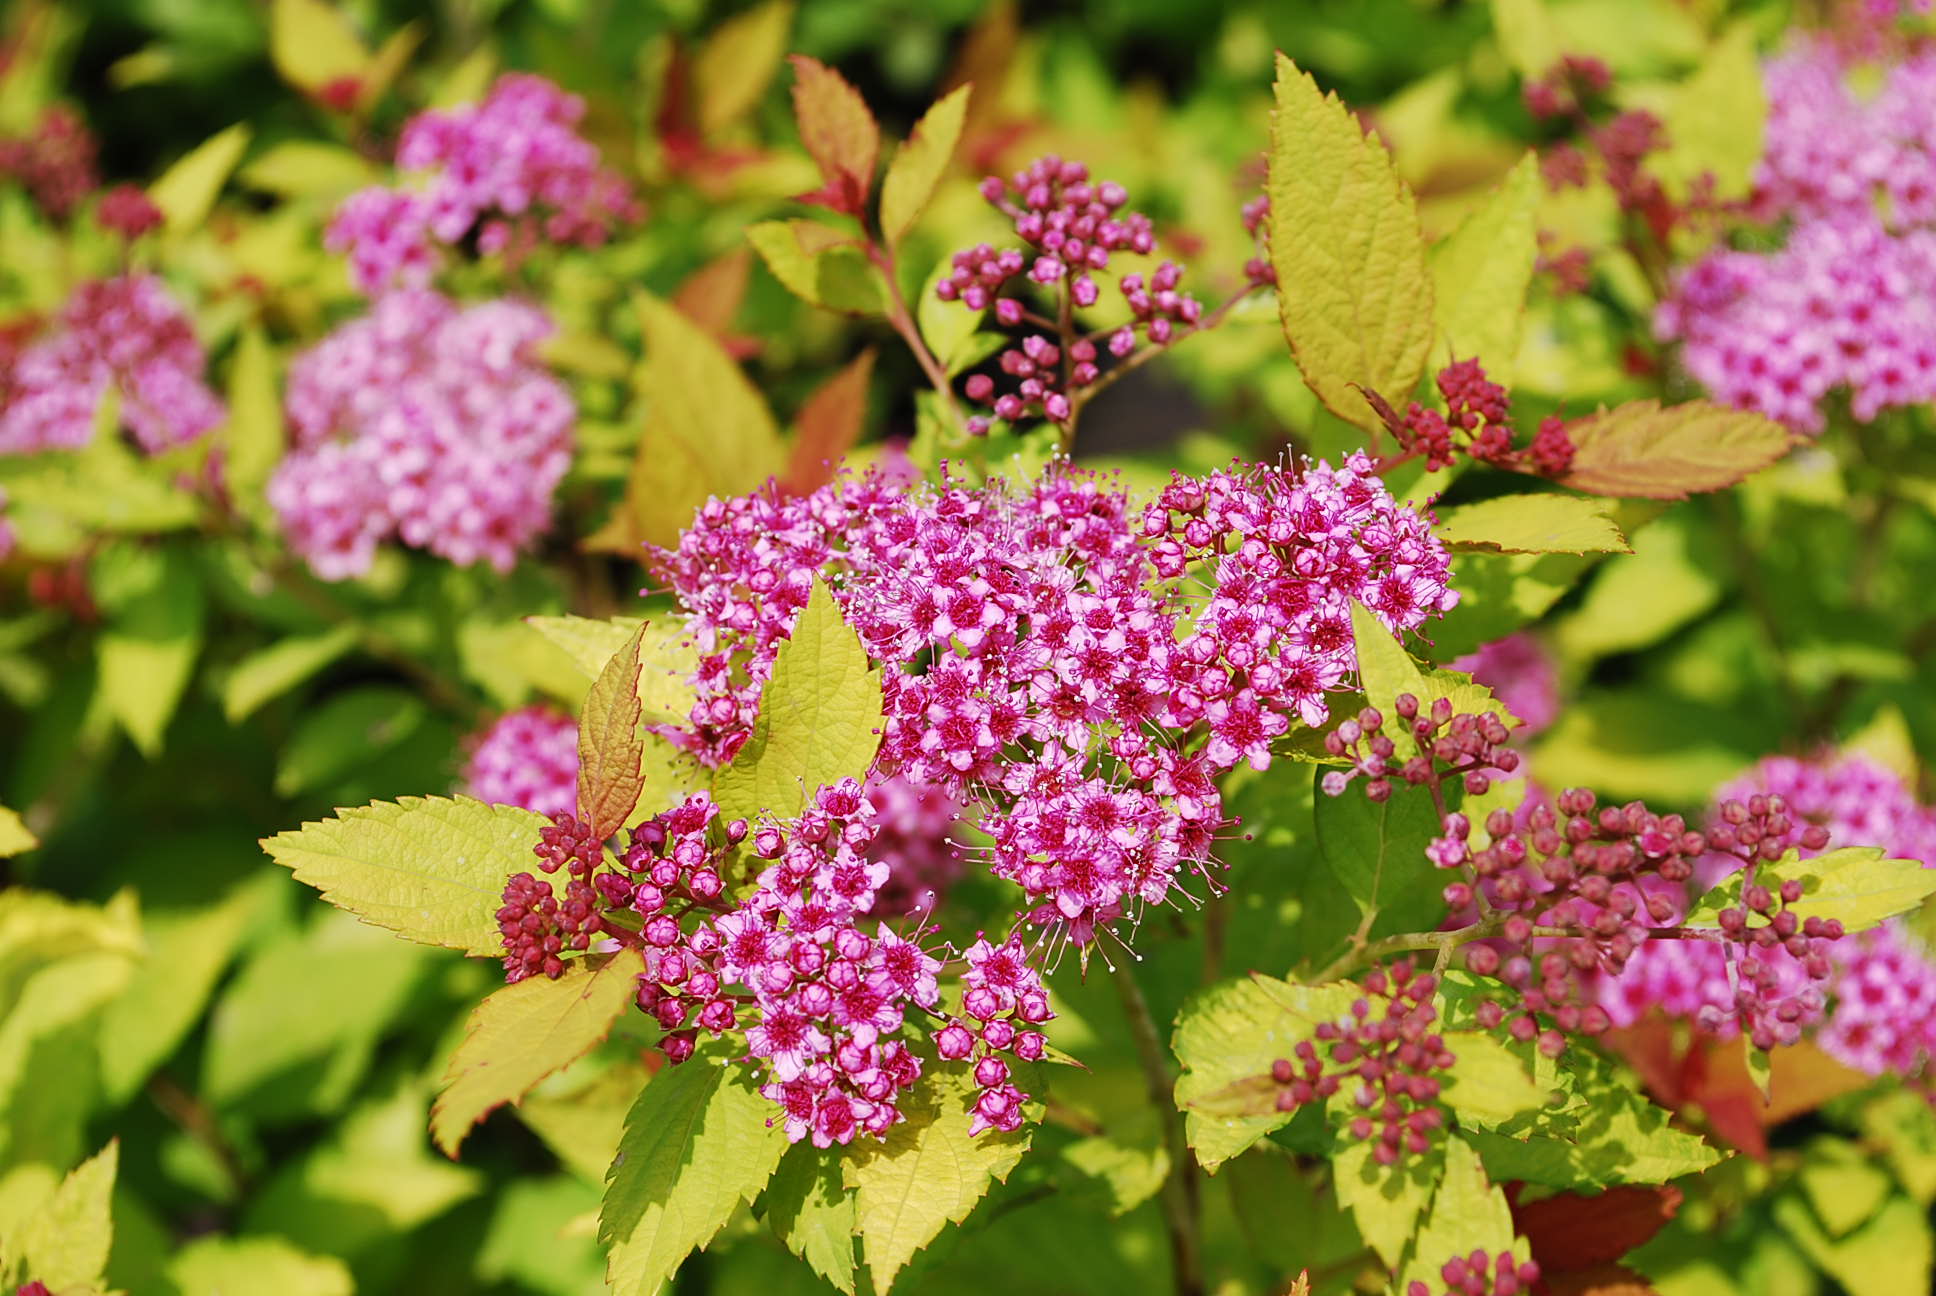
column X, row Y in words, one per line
column 1353, row 290
column 1468, row 1211
column 707, row 432
column 1854, row 885
column 666, row 658
column 299, row 168
column 14, row 836
column 312, row 44
column 1480, row 273
column 920, row 163
column 65, row 1243
column 428, row 868
column 221, row 1266
column 737, row 63
column 809, row 1208
column 610, row 746
column 819, row 265
column 1532, row 524
column 1716, row 119
column 519, row 1035
column 1641, row 449
column 819, row 719
column 1490, row 1084
column 153, row 601
column 186, row 191
column 253, row 435
column 1526, row 35
column 928, row 1173
column 270, row 672
column 696, row 1145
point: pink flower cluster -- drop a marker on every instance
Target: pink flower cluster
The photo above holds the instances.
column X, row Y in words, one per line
column 1070, row 226
column 528, row 758
column 55, row 163
column 512, row 171
column 1054, row 661
column 1872, row 1011
column 435, row 424
column 126, row 333
column 825, row 1002
column 1850, row 301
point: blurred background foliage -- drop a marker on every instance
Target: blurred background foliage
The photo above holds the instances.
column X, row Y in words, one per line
column 266, row 1062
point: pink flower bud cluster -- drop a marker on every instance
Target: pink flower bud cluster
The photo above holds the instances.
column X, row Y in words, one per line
column 428, row 423
column 1480, row 1274
column 1387, row 1067
column 126, row 333
column 1068, row 661
column 1070, row 227
column 1259, row 270
column 822, row 1002
column 55, row 164
column 1476, row 421
column 1849, row 301
column 127, row 211
column 527, row 758
column 512, row 172
column 1569, row 894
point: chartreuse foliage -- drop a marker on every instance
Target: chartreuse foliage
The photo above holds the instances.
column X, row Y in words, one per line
column 209, row 1084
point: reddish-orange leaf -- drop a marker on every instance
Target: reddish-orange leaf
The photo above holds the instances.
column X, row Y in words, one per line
column 711, row 295
column 839, row 132
column 829, row 424
column 1573, row 1231
column 610, row 747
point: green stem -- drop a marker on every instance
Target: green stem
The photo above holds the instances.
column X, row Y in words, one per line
column 1180, row 1189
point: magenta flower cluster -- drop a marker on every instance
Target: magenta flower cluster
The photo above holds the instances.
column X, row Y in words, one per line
column 822, row 1001
column 1849, row 302
column 126, row 334
column 527, row 758
column 1069, row 226
column 1073, row 677
column 510, row 172
column 428, row 423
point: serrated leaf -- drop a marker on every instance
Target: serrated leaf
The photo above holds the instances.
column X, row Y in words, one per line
column 839, row 132
column 819, row 719
column 1385, row 1201
column 1609, row 1135
column 524, row 1032
column 1480, row 273
column 1854, row 885
column 829, row 424
column 737, row 62
column 253, row 436
column 65, row 1243
column 1641, row 449
column 819, row 265
column 312, row 45
column 809, row 1208
column 268, row 673
column 1532, row 524
column 1468, row 1212
column 221, row 1266
column 14, row 836
column 921, row 162
column 708, row 433
column 927, row 1173
column 1376, row 852
column 610, row 747
column 1489, row 1085
column 1231, row 1033
column 153, row 601
column 1354, row 293
column 428, row 868
column 696, row 1145
column 186, row 191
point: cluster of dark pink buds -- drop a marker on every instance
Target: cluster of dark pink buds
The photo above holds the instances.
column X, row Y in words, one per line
column 1470, row 745
column 537, row 929
column 1388, row 1066
column 1477, row 422
column 1006, row 999
column 55, row 163
column 1070, row 226
column 1259, row 270
column 1567, row 87
column 1480, row 1274
column 127, row 211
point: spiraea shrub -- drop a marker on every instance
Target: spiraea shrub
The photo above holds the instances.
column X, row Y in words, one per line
column 1264, row 649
